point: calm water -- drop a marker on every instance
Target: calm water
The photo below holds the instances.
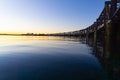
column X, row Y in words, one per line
column 47, row 58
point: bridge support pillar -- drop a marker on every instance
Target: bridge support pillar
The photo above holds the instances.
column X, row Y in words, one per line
column 107, row 39
column 95, row 41
column 95, row 37
column 112, row 38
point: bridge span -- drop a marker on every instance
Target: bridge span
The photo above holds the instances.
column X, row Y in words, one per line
column 106, row 28
column 110, row 14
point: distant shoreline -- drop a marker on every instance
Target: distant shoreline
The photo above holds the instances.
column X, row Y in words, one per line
column 38, row 35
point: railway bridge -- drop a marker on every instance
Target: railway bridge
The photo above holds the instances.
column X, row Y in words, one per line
column 106, row 28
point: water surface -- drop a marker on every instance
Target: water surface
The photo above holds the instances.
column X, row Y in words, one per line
column 47, row 58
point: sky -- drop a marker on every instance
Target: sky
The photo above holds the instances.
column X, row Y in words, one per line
column 48, row 16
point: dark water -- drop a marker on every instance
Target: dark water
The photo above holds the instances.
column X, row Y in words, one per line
column 48, row 58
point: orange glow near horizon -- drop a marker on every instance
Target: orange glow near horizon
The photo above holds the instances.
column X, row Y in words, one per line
column 35, row 32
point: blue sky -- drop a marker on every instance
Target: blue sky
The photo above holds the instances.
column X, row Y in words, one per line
column 47, row 16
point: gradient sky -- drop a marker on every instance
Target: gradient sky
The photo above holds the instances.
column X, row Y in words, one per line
column 47, row 16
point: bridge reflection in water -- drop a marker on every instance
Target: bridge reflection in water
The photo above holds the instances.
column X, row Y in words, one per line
column 110, row 61
column 109, row 58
